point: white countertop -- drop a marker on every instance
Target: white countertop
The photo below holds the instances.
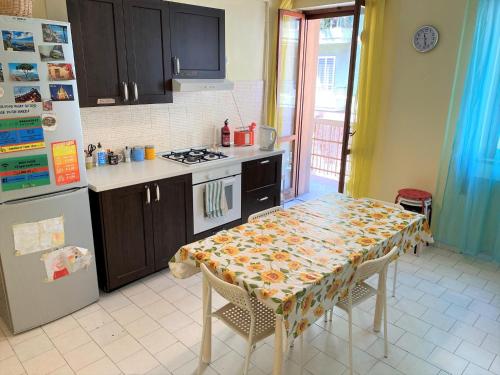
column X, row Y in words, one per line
column 125, row 174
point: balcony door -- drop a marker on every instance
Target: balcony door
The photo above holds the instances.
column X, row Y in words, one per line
column 317, row 75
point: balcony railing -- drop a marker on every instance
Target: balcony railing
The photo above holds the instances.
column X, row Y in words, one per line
column 327, row 146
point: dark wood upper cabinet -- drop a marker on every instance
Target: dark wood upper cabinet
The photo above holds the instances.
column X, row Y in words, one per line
column 122, row 51
column 197, row 41
column 148, row 51
column 100, row 51
column 172, row 217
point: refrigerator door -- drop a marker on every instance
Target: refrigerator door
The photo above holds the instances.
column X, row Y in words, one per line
column 27, row 298
column 28, row 45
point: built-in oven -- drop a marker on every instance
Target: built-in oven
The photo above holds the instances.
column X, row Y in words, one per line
column 231, row 182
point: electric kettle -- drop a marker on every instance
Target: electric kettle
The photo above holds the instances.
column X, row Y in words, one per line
column 267, row 138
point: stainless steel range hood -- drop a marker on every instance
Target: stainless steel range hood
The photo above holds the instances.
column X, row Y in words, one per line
column 190, row 85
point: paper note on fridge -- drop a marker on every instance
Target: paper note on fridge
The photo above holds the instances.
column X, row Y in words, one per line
column 38, row 236
column 65, row 261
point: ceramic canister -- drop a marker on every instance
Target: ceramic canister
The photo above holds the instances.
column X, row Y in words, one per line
column 150, row 152
column 138, row 153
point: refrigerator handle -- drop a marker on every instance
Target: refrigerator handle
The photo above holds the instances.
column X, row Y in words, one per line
column 125, row 91
column 148, row 194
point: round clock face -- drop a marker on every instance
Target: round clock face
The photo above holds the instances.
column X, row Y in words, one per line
column 425, row 38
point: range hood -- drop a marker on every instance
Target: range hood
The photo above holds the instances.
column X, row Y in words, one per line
column 189, row 85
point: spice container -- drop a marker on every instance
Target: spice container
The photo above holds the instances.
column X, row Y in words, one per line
column 150, row 152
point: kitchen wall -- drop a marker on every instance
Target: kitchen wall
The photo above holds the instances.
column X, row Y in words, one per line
column 415, row 94
column 191, row 119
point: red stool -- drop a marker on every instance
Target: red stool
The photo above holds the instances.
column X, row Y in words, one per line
column 417, row 201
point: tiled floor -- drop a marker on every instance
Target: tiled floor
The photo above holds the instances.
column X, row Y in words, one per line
column 445, row 319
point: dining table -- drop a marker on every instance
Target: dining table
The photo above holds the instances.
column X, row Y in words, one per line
column 299, row 261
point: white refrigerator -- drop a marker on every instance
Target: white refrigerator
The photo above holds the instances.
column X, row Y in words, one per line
column 47, row 262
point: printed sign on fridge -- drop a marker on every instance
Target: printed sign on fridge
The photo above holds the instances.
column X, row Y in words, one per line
column 65, row 158
column 24, row 172
column 21, row 134
column 38, row 236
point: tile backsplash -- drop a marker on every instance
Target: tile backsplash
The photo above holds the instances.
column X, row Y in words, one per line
column 189, row 121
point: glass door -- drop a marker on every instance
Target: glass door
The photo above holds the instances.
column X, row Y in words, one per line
column 291, row 31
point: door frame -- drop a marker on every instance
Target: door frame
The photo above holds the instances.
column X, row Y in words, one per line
column 295, row 137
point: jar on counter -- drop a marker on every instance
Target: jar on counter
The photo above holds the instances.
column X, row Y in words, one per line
column 150, row 152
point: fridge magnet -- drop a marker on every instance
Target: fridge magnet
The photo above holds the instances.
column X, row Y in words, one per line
column 21, row 134
column 24, row 172
column 1, row 73
column 63, row 262
column 61, row 93
column 38, row 236
column 65, row 159
column 24, row 72
column 51, row 52
column 18, row 41
column 54, row 33
column 47, row 105
column 27, row 94
column 60, row 72
column 49, row 122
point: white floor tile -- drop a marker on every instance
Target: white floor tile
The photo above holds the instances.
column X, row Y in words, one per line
column 145, row 298
column 495, row 366
column 487, row 325
column 11, row 366
column 462, row 314
column 121, row 348
column 159, row 309
column 321, row 364
column 438, row 319
column 157, row 341
column 127, row 314
column 142, row 326
column 176, row 356
column 468, row 333
column 191, row 368
column 443, row 339
column 475, row 354
column 472, row 369
column 83, row 355
column 431, row 288
column 44, row 363
column 411, row 365
column 491, row 343
column 139, row 363
column 32, row 347
column 485, row 309
column 5, row 349
column 189, row 335
column 95, row 319
column 64, row 370
column 103, row 366
column 108, row 333
column 71, row 340
column 447, row 361
column 479, row 293
column 413, row 325
column 435, row 303
column 458, row 299
column 410, row 307
column 113, row 301
column 158, row 282
column 395, row 356
column 381, row 368
column 415, row 345
column 175, row 321
column 60, row 326
column 133, row 289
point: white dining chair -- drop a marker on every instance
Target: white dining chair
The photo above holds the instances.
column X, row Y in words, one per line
column 264, row 213
column 244, row 314
column 359, row 291
column 398, row 207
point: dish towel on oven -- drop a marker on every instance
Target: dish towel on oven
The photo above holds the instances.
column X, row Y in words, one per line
column 215, row 199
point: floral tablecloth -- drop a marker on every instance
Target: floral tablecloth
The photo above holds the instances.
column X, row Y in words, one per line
column 300, row 260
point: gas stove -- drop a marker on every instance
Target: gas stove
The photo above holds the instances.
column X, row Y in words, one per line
column 193, row 156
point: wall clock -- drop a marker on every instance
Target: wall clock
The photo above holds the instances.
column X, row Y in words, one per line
column 425, row 38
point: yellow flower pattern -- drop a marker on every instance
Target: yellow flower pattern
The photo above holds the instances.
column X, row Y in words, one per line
column 299, row 261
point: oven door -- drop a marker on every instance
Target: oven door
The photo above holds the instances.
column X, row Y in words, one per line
column 201, row 223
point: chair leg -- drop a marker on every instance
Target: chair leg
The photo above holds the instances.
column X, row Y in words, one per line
column 331, row 315
column 386, row 344
column 203, row 338
column 301, row 353
column 326, row 316
column 394, row 278
column 350, row 335
column 247, row 358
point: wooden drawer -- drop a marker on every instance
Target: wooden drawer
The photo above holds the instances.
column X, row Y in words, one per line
column 261, row 173
column 260, row 199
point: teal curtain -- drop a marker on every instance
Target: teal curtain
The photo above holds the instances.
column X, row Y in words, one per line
column 469, row 218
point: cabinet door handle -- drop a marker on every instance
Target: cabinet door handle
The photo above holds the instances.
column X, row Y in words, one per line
column 177, row 65
column 264, row 161
column 148, row 194
column 263, row 199
column 135, row 91
column 125, row 91
column 157, row 198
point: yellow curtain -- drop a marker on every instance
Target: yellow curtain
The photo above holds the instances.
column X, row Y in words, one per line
column 367, row 98
column 272, row 61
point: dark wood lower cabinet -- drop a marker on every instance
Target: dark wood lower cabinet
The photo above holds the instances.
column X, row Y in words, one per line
column 261, row 185
column 137, row 229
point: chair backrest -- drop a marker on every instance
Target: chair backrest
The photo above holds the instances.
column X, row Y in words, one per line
column 371, row 267
column 233, row 293
column 397, row 206
column 264, row 213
